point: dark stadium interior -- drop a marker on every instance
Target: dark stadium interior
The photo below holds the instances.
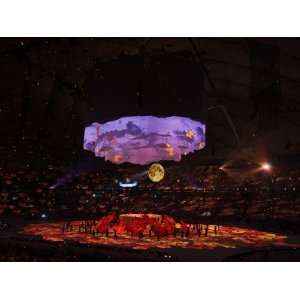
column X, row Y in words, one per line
column 237, row 199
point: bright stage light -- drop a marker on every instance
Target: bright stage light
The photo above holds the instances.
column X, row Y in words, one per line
column 266, row 166
column 128, row 184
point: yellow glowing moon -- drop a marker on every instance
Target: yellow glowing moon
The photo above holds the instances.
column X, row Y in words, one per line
column 156, row 172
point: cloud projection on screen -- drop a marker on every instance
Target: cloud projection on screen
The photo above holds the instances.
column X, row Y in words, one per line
column 144, row 139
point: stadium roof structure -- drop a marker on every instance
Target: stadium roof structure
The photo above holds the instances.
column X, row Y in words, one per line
column 49, row 88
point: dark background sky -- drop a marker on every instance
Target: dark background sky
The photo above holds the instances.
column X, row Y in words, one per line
column 52, row 87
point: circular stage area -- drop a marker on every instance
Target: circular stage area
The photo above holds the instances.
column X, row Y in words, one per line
column 144, row 231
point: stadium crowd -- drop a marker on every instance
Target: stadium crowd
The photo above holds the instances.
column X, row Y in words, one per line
column 35, row 193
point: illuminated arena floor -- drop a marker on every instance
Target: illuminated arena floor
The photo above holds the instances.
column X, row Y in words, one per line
column 226, row 237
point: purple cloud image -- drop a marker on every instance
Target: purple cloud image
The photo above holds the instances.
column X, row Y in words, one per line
column 144, row 139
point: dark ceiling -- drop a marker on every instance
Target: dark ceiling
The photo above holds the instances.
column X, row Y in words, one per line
column 51, row 87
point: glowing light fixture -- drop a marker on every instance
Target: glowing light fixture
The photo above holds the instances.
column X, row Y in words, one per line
column 128, row 184
column 266, row 167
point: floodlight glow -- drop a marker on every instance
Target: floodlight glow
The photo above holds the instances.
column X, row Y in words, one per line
column 266, row 166
column 144, row 139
